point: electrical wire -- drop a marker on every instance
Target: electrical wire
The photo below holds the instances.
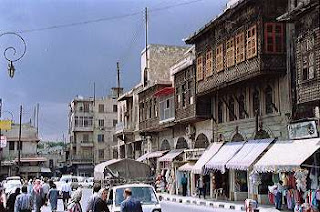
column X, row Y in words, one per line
column 104, row 19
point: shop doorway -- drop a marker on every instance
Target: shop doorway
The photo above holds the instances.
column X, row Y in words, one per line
column 222, row 181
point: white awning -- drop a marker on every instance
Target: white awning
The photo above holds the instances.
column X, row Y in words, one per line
column 45, row 170
column 171, row 155
column 285, row 156
column 205, row 157
column 149, row 155
column 226, row 152
column 248, row 154
column 186, row 167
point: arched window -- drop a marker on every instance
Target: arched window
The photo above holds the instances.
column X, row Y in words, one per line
column 232, row 116
column 182, row 143
column 145, row 76
column 255, row 101
column 220, row 112
column 242, row 113
column 268, row 100
column 165, row 145
column 201, row 142
column 237, row 137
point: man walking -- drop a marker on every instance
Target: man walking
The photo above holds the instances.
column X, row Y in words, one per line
column 184, row 184
column 96, row 189
column 130, row 204
column 24, row 201
column 66, row 194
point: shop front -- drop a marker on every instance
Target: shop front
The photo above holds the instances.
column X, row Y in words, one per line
column 223, row 178
column 241, row 166
column 198, row 169
column 169, row 164
column 151, row 159
column 296, row 164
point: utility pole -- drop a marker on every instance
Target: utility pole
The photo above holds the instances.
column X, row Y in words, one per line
column 94, row 93
column 19, row 141
column 146, row 16
column 118, row 74
column 37, row 119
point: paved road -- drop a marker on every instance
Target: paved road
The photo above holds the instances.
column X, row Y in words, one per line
column 177, row 207
column 86, row 193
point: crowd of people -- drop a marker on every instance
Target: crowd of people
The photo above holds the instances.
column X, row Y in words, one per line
column 35, row 194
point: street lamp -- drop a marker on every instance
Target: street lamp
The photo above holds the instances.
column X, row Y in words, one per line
column 11, row 68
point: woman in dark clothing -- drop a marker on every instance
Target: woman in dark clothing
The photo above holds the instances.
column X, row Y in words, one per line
column 11, row 200
column 100, row 204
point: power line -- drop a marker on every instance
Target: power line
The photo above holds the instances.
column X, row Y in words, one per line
column 104, row 19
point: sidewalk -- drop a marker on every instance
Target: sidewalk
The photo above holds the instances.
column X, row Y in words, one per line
column 231, row 205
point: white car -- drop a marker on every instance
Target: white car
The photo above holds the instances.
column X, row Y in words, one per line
column 87, row 182
column 142, row 192
column 72, row 181
column 11, row 185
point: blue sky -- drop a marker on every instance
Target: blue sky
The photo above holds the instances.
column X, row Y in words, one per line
column 64, row 62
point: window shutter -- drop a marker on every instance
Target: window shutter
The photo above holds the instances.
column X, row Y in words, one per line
column 209, row 70
column 219, row 58
column 199, row 68
column 251, row 42
column 230, row 52
column 240, row 47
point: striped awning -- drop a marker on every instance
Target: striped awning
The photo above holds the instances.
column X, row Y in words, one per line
column 149, row 155
column 170, row 156
column 186, row 167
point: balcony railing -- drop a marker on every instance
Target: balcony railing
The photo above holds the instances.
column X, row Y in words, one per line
column 86, row 143
column 122, row 127
column 82, row 159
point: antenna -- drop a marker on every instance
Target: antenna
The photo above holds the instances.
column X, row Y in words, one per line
column 118, row 74
column 94, row 93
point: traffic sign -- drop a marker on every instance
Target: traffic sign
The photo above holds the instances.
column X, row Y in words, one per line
column 3, row 141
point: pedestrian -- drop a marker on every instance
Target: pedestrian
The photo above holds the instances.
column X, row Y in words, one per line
column 130, row 204
column 30, row 186
column 96, row 189
column 278, row 195
column 2, row 200
column 12, row 199
column 75, row 205
column 37, row 195
column 52, row 196
column 24, row 201
column 100, row 203
column 184, row 183
column 201, row 187
column 66, row 193
column 45, row 188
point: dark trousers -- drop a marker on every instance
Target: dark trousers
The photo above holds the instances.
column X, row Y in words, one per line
column 65, row 198
column 26, row 210
column 184, row 189
column 203, row 192
column 278, row 200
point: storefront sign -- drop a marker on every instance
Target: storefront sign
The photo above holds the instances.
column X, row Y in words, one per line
column 302, row 130
column 3, row 141
column 193, row 154
column 5, row 124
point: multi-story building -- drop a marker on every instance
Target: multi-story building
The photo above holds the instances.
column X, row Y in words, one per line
column 91, row 128
column 31, row 164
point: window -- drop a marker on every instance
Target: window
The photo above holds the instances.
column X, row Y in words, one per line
column 199, row 68
column 251, row 42
column 155, row 111
column 11, row 145
column 85, row 138
column 100, row 137
column 209, row 70
column 308, row 59
column 240, row 47
column 255, row 102
column 183, row 89
column 230, row 52
column 242, row 113
column 114, row 123
column 101, row 154
column 115, row 108
column 268, row 100
column 167, row 109
column 101, row 108
column 231, row 110
column 150, row 109
column 86, row 107
column 87, row 121
column 101, row 122
column 219, row 58
column 220, row 112
column 274, row 42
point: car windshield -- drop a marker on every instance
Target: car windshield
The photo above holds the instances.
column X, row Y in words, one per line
column 145, row 195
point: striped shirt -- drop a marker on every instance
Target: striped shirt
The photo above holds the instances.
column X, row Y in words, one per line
column 23, row 202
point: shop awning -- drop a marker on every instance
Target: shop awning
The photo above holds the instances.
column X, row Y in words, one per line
column 226, row 152
column 248, row 154
column 205, row 157
column 285, row 156
column 149, row 155
column 45, row 170
column 186, row 167
column 170, row 156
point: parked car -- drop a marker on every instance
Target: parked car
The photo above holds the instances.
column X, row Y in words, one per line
column 87, row 182
column 11, row 183
column 142, row 192
column 71, row 180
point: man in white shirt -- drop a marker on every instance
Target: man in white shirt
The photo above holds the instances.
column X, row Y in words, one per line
column 66, row 193
column 96, row 189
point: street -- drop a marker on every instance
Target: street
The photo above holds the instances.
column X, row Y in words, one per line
column 86, row 193
column 167, row 206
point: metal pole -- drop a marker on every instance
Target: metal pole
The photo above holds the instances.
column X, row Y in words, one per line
column 19, row 141
column 118, row 73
